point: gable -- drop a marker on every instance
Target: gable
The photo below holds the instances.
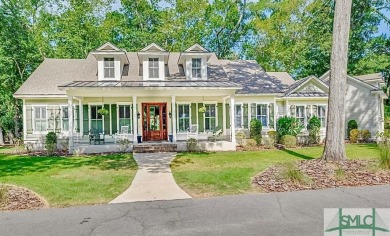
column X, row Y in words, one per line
column 153, row 48
column 196, row 48
column 312, row 87
column 108, row 47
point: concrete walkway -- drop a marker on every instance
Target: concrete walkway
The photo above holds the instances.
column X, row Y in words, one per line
column 153, row 181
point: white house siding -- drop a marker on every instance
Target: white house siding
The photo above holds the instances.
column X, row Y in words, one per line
column 363, row 107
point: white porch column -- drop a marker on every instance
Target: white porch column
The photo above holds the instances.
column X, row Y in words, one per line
column 224, row 116
column 232, row 124
column 174, row 118
column 135, row 120
column 71, row 126
column 24, row 120
column 81, row 119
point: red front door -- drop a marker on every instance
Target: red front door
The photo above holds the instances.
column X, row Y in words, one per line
column 154, row 121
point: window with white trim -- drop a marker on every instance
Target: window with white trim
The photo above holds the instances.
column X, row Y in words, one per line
column 238, row 115
column 96, row 118
column 124, row 116
column 153, row 68
column 109, row 68
column 321, row 114
column 261, row 114
column 65, row 118
column 300, row 114
column 210, row 117
column 196, row 68
column 40, row 121
column 183, row 113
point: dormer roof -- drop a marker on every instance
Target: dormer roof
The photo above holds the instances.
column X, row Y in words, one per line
column 109, row 49
column 153, row 48
column 196, row 48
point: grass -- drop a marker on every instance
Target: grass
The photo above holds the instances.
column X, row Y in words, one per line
column 70, row 181
column 211, row 174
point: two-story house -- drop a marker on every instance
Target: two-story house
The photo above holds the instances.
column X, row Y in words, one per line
column 157, row 95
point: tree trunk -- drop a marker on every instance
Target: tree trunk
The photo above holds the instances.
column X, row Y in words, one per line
column 1, row 136
column 335, row 131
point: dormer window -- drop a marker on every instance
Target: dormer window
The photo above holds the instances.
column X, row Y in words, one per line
column 153, row 68
column 109, row 68
column 196, row 68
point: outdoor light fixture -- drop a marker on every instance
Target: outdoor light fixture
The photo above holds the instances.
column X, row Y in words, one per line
column 170, row 114
column 138, row 115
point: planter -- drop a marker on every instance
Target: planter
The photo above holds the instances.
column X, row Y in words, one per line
column 139, row 138
column 170, row 138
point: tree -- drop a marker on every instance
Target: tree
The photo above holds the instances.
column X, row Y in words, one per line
column 335, row 132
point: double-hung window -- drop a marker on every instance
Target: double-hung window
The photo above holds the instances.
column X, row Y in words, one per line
column 109, row 68
column 238, row 115
column 210, row 117
column 300, row 114
column 40, row 121
column 196, row 68
column 96, row 119
column 321, row 114
column 183, row 117
column 153, row 68
column 261, row 114
column 65, row 118
column 124, row 116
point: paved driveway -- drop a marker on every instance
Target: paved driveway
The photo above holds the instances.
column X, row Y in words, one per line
column 295, row 213
column 153, row 180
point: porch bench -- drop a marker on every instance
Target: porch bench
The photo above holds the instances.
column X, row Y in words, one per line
column 96, row 137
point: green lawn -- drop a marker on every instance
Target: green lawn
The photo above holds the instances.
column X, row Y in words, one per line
column 70, row 181
column 211, row 174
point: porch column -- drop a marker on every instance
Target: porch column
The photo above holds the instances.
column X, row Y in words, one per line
column 71, row 126
column 224, row 116
column 174, row 118
column 81, row 119
column 135, row 119
column 232, row 124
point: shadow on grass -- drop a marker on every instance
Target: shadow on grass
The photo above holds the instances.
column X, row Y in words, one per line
column 24, row 165
column 299, row 155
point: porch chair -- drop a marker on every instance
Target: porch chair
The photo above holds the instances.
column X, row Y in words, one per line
column 96, row 136
column 217, row 133
column 192, row 132
column 123, row 133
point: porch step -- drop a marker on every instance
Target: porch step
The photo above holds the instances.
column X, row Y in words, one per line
column 154, row 147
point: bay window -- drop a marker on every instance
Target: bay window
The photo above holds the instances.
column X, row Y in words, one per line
column 183, row 113
column 210, row 117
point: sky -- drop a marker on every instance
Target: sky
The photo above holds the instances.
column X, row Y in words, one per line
column 383, row 27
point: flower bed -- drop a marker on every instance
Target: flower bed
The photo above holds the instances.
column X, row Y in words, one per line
column 18, row 198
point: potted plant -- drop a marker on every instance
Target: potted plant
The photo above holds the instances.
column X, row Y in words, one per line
column 103, row 111
column 202, row 109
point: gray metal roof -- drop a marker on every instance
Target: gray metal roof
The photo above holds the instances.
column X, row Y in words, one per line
column 121, row 84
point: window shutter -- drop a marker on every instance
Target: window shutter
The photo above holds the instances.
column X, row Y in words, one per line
column 271, row 115
column 114, row 118
column 29, row 113
column 201, row 118
column 85, row 120
column 107, row 119
column 193, row 113
column 253, row 111
column 245, row 113
column 220, row 115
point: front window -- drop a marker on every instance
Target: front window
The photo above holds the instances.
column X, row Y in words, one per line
column 196, row 68
column 65, row 119
column 300, row 114
column 210, row 117
column 321, row 114
column 40, row 121
column 261, row 114
column 153, row 68
column 96, row 119
column 184, row 117
column 238, row 116
column 124, row 117
column 109, row 68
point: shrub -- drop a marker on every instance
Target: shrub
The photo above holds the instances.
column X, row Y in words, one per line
column 65, row 144
column 354, row 135
column 269, row 142
column 192, row 145
column 292, row 173
column 288, row 126
column 124, row 144
column 51, row 143
column 339, row 173
column 352, row 124
column 249, row 143
column 272, row 134
column 255, row 132
column 314, row 127
column 240, row 136
column 384, row 155
column 3, row 196
column 366, row 135
column 289, row 141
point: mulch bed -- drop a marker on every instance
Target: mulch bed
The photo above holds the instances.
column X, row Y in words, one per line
column 321, row 175
column 21, row 199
